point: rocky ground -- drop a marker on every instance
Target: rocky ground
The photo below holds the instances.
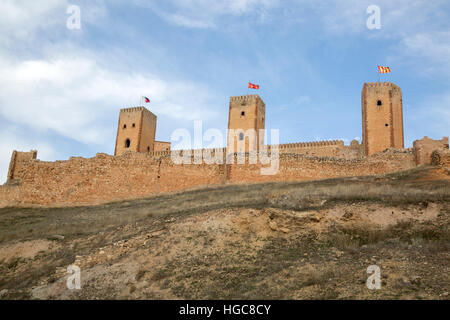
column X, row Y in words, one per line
column 305, row 240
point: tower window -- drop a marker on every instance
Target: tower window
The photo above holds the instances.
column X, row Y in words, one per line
column 124, row 126
column 134, row 125
column 148, row 149
column 386, row 125
column 379, row 103
column 241, row 136
column 127, row 143
column 243, row 113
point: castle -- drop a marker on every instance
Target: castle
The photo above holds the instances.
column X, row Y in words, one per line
column 142, row 166
column 136, row 132
column 382, row 126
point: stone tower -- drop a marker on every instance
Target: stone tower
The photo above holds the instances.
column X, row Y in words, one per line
column 246, row 113
column 382, row 117
column 136, row 131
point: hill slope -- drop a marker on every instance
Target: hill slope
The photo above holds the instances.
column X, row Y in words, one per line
column 308, row 240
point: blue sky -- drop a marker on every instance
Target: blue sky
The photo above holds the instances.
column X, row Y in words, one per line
column 61, row 90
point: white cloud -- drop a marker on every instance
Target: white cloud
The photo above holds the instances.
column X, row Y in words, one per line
column 21, row 19
column 205, row 13
column 234, row 7
column 26, row 21
column 398, row 18
column 184, row 21
column 411, row 31
column 427, row 53
column 70, row 94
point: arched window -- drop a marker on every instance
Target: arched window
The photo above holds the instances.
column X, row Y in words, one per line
column 148, row 149
column 379, row 103
column 242, row 113
column 127, row 143
column 241, row 136
column 134, row 125
column 124, row 126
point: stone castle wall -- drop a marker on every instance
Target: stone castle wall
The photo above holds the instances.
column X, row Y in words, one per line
column 330, row 148
column 18, row 161
column 441, row 157
column 298, row 167
column 161, row 146
column 424, row 147
column 104, row 178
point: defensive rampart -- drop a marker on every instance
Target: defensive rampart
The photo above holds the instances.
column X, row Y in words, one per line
column 104, row 178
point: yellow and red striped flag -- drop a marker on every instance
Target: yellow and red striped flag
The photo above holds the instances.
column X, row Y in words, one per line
column 384, row 69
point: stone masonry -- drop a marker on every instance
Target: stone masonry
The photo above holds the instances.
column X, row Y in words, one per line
column 424, row 147
column 382, row 117
column 161, row 146
column 18, row 161
column 246, row 113
column 142, row 166
column 135, row 131
column 80, row 181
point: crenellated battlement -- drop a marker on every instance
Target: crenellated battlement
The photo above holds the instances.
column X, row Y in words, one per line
column 294, row 147
column 378, row 84
column 136, row 109
column 381, row 84
column 192, row 152
column 312, row 144
column 133, row 109
column 245, row 98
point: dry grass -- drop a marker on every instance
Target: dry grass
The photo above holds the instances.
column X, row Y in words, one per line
column 406, row 231
column 394, row 189
column 293, row 265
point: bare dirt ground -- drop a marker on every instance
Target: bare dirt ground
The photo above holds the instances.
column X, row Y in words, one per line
column 304, row 240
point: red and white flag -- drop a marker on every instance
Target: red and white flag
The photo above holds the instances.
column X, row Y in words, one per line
column 253, row 86
column 146, row 100
column 384, row 69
